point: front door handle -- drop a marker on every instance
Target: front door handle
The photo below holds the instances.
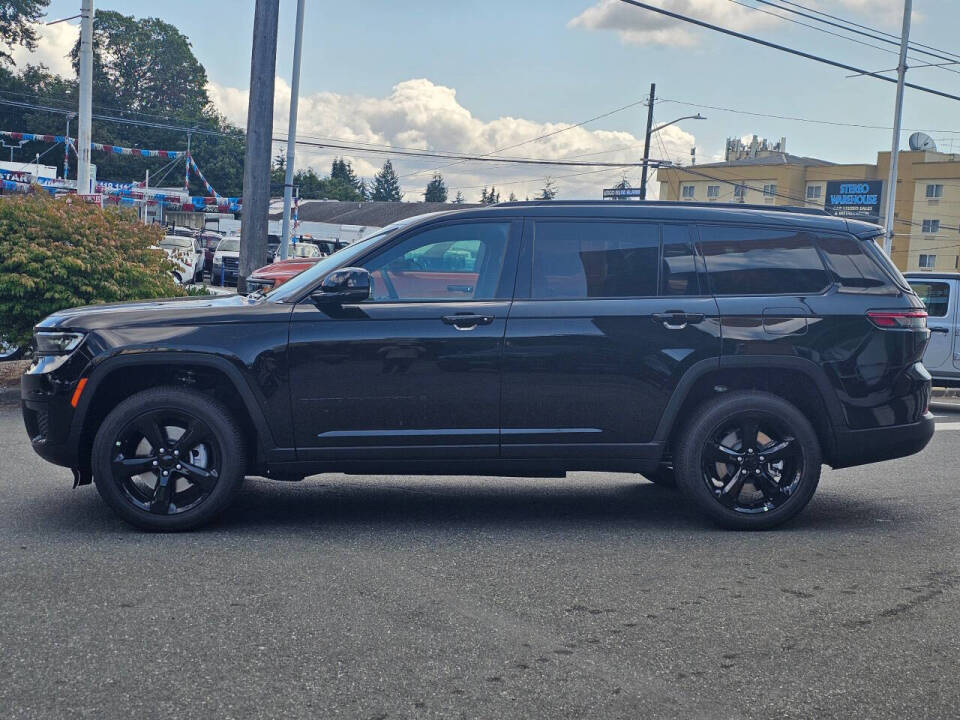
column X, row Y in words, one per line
column 943, row 330
column 467, row 321
column 677, row 319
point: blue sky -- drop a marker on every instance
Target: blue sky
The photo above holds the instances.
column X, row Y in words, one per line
column 526, row 60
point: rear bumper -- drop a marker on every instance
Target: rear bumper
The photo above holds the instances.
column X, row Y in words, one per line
column 860, row 447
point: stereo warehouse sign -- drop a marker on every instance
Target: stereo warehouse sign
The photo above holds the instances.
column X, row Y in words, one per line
column 858, row 199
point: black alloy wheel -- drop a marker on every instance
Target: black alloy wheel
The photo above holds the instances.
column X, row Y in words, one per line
column 748, row 460
column 168, row 459
column 751, row 464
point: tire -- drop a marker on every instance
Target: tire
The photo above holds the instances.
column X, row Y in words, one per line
column 743, row 484
column 664, row 476
column 134, row 477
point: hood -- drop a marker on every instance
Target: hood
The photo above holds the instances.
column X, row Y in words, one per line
column 172, row 312
column 285, row 269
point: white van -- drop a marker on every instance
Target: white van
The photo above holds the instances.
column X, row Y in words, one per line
column 940, row 292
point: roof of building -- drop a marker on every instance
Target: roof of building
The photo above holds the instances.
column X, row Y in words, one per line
column 370, row 214
column 774, row 159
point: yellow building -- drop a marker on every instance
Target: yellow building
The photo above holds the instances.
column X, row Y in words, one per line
column 927, row 213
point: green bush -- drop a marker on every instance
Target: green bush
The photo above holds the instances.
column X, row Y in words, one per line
column 57, row 253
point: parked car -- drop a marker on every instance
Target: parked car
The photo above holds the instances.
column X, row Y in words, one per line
column 730, row 349
column 278, row 272
column 939, row 293
column 300, row 250
column 226, row 260
column 186, row 255
column 182, row 231
column 209, row 240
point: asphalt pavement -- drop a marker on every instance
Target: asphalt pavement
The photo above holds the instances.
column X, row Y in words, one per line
column 598, row 596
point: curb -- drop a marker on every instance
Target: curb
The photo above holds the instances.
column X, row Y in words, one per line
column 943, row 393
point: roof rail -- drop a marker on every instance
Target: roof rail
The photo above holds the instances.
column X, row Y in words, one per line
column 670, row 203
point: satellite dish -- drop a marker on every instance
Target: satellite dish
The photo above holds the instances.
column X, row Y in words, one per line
column 922, row 141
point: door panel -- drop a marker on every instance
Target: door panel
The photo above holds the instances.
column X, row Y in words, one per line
column 593, row 377
column 414, row 372
column 938, row 298
column 396, row 377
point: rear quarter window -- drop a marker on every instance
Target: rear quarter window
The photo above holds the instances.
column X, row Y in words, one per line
column 761, row 261
column 852, row 267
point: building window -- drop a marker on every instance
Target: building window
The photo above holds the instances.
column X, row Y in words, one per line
column 931, row 226
column 740, row 191
column 769, row 190
column 813, row 192
column 713, row 191
column 928, row 262
column 687, row 192
column 934, row 191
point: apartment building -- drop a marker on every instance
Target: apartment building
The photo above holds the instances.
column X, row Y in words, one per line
column 927, row 212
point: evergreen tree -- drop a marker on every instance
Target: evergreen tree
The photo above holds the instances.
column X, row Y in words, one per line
column 343, row 171
column 436, row 190
column 386, row 185
column 494, row 196
column 458, row 200
column 548, row 192
column 362, row 190
column 513, row 198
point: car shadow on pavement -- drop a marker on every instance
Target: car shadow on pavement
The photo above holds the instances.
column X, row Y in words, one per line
column 340, row 503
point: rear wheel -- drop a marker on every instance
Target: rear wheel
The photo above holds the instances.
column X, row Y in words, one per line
column 168, row 459
column 749, row 460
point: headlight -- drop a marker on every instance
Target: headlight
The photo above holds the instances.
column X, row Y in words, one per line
column 57, row 343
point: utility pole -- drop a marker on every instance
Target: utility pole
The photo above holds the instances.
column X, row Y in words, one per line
column 646, row 142
column 256, row 168
column 897, row 117
column 86, row 97
column 292, row 132
column 66, row 148
column 186, row 169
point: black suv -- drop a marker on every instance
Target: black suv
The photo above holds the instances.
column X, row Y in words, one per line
column 730, row 350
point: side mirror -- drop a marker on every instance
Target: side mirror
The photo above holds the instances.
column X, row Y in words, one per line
column 344, row 285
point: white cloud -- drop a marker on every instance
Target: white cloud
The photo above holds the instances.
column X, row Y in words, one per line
column 642, row 27
column 53, row 48
column 420, row 114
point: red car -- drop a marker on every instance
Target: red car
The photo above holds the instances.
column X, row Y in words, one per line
column 277, row 273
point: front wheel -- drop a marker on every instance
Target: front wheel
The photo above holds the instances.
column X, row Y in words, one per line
column 168, row 459
column 749, row 460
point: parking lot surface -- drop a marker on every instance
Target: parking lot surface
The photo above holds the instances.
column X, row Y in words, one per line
column 597, row 596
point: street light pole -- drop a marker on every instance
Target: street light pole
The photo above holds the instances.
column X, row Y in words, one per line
column 292, row 133
column 646, row 142
column 897, row 117
column 86, row 97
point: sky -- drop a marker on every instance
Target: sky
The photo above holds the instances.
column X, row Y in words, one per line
column 477, row 77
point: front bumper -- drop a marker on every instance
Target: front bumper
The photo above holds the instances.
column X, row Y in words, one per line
column 860, row 447
column 48, row 417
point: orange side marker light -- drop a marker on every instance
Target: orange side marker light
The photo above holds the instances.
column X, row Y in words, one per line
column 78, row 392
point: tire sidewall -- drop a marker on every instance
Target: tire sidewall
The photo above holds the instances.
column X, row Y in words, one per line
column 225, row 433
column 722, row 410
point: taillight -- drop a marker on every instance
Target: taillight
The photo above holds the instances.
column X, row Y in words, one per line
column 899, row 319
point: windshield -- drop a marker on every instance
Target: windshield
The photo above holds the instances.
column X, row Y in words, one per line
column 176, row 242
column 229, row 245
column 292, row 288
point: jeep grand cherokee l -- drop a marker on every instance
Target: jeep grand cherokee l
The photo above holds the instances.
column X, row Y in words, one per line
column 730, row 350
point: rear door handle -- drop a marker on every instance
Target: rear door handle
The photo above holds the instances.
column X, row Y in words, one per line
column 467, row 322
column 943, row 330
column 677, row 319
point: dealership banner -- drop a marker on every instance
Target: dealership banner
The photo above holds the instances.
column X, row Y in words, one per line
column 856, row 199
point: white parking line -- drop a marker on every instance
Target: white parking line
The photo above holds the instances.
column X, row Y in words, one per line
column 948, row 426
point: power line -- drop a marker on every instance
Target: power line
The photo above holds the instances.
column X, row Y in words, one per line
column 866, row 27
column 794, row 118
column 834, row 34
column 889, row 40
column 784, row 48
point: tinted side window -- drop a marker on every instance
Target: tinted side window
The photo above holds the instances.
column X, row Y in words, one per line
column 451, row 262
column 935, row 295
column 761, row 261
column 852, row 267
column 678, row 269
column 595, row 259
